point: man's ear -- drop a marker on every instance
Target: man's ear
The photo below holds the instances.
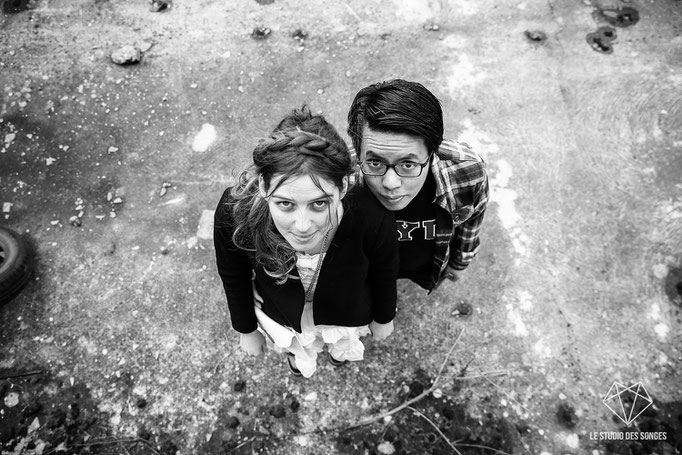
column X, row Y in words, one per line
column 345, row 187
column 261, row 187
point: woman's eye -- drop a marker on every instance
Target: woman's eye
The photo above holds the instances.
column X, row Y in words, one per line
column 284, row 205
column 319, row 205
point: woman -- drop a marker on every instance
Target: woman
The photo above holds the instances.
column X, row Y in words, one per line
column 304, row 260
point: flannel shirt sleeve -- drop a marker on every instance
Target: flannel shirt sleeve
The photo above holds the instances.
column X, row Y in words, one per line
column 465, row 241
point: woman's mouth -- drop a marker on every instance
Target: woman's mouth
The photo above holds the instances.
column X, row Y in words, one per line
column 303, row 238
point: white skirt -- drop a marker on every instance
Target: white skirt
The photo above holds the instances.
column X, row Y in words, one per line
column 343, row 343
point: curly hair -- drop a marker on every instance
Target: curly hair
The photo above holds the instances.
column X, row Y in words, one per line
column 284, row 155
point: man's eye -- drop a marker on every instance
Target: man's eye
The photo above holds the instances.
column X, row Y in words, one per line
column 375, row 163
column 408, row 165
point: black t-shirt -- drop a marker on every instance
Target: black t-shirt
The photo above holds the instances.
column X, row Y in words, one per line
column 416, row 225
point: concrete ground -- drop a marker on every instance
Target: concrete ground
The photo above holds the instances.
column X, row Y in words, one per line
column 108, row 170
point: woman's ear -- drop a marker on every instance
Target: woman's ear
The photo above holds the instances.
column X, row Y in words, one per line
column 261, row 187
column 345, row 187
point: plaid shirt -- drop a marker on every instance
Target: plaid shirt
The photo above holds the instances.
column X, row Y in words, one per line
column 462, row 193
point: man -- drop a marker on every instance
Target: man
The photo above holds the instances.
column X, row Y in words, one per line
column 438, row 189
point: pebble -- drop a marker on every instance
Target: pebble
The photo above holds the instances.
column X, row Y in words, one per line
column 35, row 425
column 573, row 441
column 11, row 400
column 662, row 330
column 386, row 448
column 660, row 271
column 158, row 6
column 126, row 55
column 164, row 188
column 260, row 33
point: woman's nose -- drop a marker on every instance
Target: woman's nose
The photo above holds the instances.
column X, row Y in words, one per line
column 302, row 223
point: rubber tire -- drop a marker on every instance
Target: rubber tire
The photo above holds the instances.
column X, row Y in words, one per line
column 16, row 267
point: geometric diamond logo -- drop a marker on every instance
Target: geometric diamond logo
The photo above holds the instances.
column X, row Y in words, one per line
column 627, row 403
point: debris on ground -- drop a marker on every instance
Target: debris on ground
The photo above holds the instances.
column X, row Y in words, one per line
column 126, row 55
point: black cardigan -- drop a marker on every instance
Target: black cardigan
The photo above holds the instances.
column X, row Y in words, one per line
column 357, row 280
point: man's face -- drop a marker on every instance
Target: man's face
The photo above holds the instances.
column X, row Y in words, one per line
column 393, row 191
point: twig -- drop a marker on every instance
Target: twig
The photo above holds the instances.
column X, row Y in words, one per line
column 415, row 399
column 246, row 441
column 497, row 386
column 23, row 375
column 447, row 357
column 478, row 446
column 480, row 375
column 436, row 428
column 352, row 11
column 103, row 442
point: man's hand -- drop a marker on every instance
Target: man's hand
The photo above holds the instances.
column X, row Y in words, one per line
column 380, row 331
column 253, row 343
column 453, row 274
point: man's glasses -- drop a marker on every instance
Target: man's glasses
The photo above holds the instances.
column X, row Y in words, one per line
column 409, row 169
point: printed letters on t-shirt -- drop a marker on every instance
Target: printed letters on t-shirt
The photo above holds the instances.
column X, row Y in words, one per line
column 406, row 228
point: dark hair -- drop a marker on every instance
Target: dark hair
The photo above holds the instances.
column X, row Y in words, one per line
column 302, row 119
column 397, row 106
column 287, row 153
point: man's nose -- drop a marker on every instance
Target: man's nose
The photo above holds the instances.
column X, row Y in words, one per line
column 391, row 180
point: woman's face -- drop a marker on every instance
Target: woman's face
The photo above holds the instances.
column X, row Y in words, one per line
column 302, row 211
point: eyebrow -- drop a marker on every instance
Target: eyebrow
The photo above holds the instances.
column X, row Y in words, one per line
column 410, row 157
column 284, row 198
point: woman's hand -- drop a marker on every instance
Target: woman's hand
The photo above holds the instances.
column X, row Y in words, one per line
column 253, row 343
column 381, row 331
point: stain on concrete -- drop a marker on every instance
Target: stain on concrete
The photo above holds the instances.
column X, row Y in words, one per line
column 15, row 6
column 618, row 17
column 673, row 286
column 601, row 40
